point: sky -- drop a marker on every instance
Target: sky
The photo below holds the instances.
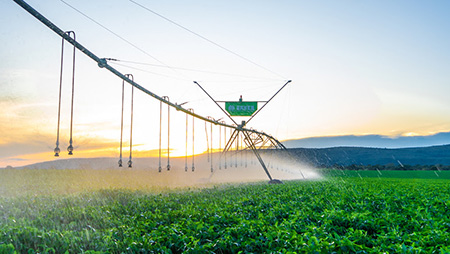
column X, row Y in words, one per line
column 357, row 68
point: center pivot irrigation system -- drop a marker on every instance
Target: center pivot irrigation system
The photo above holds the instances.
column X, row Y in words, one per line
column 254, row 140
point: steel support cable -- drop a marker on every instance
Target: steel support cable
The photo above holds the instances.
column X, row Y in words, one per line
column 241, row 127
column 225, row 112
column 289, row 81
column 131, row 124
column 57, row 150
column 187, row 69
column 151, row 72
column 115, row 34
column 121, row 123
column 206, row 39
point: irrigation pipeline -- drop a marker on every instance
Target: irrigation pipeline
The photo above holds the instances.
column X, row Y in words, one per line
column 102, row 63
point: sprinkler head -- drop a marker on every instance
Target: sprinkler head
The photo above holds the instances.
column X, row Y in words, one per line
column 130, row 163
column 70, row 150
column 57, row 151
column 120, row 163
column 193, row 168
column 159, row 169
column 168, row 167
column 185, row 169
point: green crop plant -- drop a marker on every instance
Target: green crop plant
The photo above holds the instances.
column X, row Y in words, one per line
column 334, row 215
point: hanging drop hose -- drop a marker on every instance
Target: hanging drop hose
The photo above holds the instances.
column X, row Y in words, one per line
column 242, row 151
column 70, row 147
column 131, row 125
column 220, row 146
column 185, row 157
column 271, row 160
column 237, row 150
column 225, row 151
column 121, row 123
column 211, row 147
column 193, row 154
column 211, row 140
column 57, row 150
column 168, row 133
column 207, row 140
column 231, row 157
column 245, row 151
column 251, row 159
column 160, row 125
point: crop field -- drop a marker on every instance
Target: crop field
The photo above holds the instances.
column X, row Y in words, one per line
column 411, row 174
column 337, row 214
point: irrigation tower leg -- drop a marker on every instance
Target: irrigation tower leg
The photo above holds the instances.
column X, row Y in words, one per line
column 250, row 144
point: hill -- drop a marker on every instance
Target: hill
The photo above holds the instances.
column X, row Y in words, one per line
column 379, row 141
column 387, row 158
column 346, row 156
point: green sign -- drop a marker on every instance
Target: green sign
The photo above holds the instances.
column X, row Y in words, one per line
column 243, row 108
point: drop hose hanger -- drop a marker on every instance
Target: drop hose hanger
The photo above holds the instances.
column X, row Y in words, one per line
column 57, row 150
